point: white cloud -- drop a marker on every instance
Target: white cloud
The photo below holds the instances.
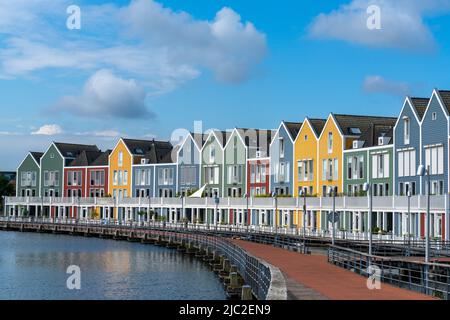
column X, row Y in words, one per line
column 159, row 47
column 107, row 95
column 378, row 84
column 226, row 45
column 49, row 130
column 402, row 23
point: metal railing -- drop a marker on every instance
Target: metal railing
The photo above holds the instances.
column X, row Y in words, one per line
column 428, row 278
column 438, row 203
column 255, row 272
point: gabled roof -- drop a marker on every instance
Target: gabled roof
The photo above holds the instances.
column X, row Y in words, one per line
column 71, row 150
column 222, row 136
column 102, row 159
column 420, row 104
column 445, row 96
column 199, row 138
column 91, row 158
column 37, row 156
column 85, row 158
column 256, row 138
column 317, row 125
column 366, row 128
column 143, row 147
column 293, row 128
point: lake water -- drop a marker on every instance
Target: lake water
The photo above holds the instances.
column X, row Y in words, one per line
column 33, row 266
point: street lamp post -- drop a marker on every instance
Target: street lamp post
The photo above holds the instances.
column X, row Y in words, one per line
column 408, row 229
column 332, row 192
column 422, row 171
column 216, row 201
column 274, row 196
column 367, row 187
column 247, row 212
column 303, row 193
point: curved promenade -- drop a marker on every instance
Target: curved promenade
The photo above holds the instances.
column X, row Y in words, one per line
column 311, row 277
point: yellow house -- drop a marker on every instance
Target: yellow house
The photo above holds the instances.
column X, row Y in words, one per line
column 305, row 164
column 120, row 171
column 330, row 153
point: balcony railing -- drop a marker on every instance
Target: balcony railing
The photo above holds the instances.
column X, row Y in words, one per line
column 388, row 204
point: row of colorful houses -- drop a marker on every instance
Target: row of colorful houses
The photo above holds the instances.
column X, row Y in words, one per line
column 298, row 158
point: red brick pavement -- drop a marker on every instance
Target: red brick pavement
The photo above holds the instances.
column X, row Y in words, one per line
column 332, row 282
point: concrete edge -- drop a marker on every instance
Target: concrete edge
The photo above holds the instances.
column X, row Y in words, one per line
column 278, row 287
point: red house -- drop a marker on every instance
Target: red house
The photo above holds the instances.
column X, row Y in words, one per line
column 258, row 177
column 87, row 176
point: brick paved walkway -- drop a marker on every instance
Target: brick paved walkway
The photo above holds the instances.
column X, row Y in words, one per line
column 311, row 277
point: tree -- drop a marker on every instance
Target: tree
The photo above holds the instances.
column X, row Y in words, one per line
column 6, row 189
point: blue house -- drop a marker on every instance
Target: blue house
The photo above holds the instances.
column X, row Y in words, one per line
column 435, row 130
column 282, row 158
column 189, row 163
column 407, row 146
column 155, row 173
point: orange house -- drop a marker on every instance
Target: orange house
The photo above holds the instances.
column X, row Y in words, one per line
column 120, row 171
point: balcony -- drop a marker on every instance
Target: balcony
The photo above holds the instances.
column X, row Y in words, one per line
column 387, row 204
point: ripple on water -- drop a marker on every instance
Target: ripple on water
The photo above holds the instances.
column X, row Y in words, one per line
column 33, row 266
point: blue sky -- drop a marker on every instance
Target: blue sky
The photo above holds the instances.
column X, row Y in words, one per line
column 144, row 68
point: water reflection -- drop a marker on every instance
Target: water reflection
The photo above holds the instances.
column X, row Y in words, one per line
column 33, row 266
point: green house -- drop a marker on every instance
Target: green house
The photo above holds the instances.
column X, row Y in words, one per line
column 28, row 175
column 212, row 163
column 370, row 161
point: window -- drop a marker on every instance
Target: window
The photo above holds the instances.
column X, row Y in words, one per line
column 120, row 161
column 305, row 170
column 330, row 169
column 115, row 178
column 282, row 174
column 336, row 169
column 212, row 153
column 406, row 130
column 404, row 187
column 434, row 159
column 125, row 178
column 187, row 175
column 120, row 183
column 28, row 179
column 434, row 116
column 281, row 140
column 437, row 187
column 98, row 178
column 212, row 175
column 234, row 174
column 74, row 178
column 51, row 178
column 407, row 163
column 380, row 166
column 330, row 142
column 306, row 137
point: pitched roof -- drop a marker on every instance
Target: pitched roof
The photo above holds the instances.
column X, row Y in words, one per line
column 153, row 150
column 222, row 136
column 293, row 128
column 71, row 150
column 91, row 158
column 102, row 159
column 199, row 138
column 37, row 155
column 144, row 147
column 420, row 104
column 317, row 125
column 85, row 158
column 366, row 128
column 256, row 138
column 445, row 96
